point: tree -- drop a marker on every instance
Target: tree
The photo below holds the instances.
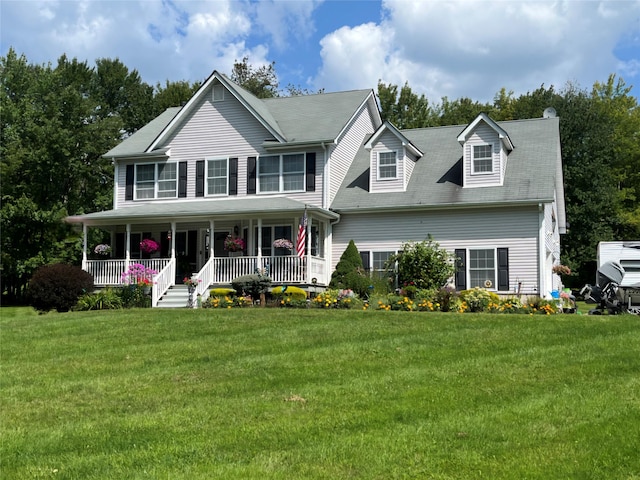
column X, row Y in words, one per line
column 406, row 109
column 173, row 94
column 261, row 81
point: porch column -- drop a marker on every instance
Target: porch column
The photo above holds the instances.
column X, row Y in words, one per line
column 84, row 247
column 260, row 243
column 127, row 247
column 211, row 237
column 173, row 239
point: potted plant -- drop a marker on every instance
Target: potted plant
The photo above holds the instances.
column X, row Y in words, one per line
column 102, row 250
column 149, row 246
column 234, row 244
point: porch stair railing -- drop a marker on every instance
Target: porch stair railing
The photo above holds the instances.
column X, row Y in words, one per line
column 205, row 278
column 164, row 279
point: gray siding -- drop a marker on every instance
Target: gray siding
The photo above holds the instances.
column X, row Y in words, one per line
column 515, row 229
column 346, row 149
column 387, row 142
column 482, row 135
column 222, row 129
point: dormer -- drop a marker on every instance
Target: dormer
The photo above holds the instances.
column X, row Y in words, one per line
column 391, row 159
column 485, row 147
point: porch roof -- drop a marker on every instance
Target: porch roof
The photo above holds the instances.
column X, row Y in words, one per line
column 182, row 210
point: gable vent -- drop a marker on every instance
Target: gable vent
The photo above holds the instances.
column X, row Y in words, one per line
column 218, row 93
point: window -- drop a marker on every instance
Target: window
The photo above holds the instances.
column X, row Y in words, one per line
column 271, row 233
column 156, row 180
column 281, row 173
column 482, row 159
column 387, row 167
column 217, row 176
column 218, row 93
column 482, row 268
column 379, row 264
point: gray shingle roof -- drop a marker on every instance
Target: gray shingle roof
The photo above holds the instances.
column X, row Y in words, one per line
column 140, row 140
column 154, row 212
column 436, row 179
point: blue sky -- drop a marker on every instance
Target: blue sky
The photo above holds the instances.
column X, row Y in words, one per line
column 456, row 49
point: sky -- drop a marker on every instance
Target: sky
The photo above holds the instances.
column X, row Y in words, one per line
column 462, row 48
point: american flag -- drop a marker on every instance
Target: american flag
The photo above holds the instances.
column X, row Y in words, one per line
column 301, row 242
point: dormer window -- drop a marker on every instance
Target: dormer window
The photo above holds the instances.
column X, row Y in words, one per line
column 483, row 158
column 387, row 165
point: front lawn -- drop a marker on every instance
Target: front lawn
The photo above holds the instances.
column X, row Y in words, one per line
column 297, row 394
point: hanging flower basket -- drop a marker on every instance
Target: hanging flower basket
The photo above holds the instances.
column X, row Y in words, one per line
column 283, row 243
column 232, row 244
column 102, row 249
column 149, row 246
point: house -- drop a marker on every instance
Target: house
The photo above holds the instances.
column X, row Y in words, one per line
column 228, row 164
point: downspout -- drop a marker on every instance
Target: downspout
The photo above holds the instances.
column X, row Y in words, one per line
column 115, row 183
column 542, row 254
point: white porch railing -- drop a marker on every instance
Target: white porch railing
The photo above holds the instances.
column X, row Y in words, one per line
column 164, row 279
column 109, row 272
column 289, row 269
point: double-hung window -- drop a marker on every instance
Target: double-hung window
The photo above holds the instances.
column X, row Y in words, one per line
column 482, row 158
column 387, row 165
column 156, row 180
column 217, row 176
column 482, row 268
column 281, row 173
column 379, row 264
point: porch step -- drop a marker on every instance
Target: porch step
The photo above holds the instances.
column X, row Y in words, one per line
column 176, row 297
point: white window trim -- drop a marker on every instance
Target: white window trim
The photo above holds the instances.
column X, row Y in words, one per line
column 280, row 174
column 156, row 180
column 383, row 179
column 206, row 177
column 494, row 286
column 473, row 159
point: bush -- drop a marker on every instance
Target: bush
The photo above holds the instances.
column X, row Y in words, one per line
column 252, row 285
column 58, row 286
column 293, row 293
column 350, row 273
column 133, row 296
column 106, row 299
column 423, row 264
column 478, row 299
column 448, row 299
column 222, row 292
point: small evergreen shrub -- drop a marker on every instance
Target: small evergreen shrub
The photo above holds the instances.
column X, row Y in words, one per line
column 58, row 286
column 350, row 273
column 252, row 285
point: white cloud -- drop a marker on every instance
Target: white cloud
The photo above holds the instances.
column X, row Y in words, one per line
column 285, row 19
column 473, row 48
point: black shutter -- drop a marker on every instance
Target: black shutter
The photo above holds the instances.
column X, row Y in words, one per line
column 251, row 175
column 200, row 178
column 366, row 261
column 503, row 269
column 461, row 269
column 233, row 176
column 311, row 172
column 128, row 192
column 182, row 179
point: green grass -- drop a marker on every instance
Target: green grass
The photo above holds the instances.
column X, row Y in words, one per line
column 289, row 394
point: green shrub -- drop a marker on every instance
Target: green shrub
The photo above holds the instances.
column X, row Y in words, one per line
column 253, row 285
column 477, row 299
column 134, row 296
column 423, row 264
column 447, row 298
column 222, row 292
column 106, row 299
column 350, row 273
column 58, row 286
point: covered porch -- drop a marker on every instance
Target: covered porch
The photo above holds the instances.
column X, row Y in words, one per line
column 192, row 244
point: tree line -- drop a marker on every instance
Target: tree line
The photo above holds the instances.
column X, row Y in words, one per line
column 57, row 121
